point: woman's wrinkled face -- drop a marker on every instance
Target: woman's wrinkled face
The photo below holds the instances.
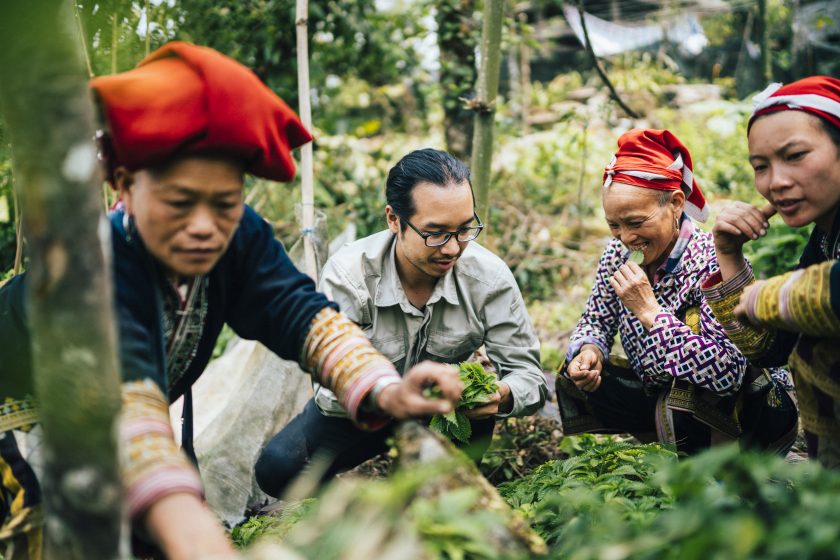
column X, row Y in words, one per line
column 637, row 218
column 187, row 213
column 797, row 167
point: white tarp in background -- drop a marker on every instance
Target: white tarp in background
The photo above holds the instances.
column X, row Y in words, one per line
column 610, row 38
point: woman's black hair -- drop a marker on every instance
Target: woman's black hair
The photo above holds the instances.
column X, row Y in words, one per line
column 833, row 132
column 421, row 166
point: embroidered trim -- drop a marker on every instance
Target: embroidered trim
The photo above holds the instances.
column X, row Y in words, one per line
column 153, row 466
column 341, row 358
column 18, row 414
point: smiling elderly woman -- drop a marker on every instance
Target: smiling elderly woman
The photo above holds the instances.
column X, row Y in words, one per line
column 683, row 378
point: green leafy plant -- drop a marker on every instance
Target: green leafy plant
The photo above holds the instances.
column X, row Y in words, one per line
column 479, row 385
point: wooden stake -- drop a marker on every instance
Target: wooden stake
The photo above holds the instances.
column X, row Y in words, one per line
column 306, row 174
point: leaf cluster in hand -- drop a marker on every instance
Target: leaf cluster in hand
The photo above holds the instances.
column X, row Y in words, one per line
column 479, row 385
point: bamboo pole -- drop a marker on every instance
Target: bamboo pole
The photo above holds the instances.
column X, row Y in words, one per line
column 114, row 43
column 82, row 38
column 148, row 44
column 18, row 231
column 764, row 41
column 484, row 104
column 306, row 174
column 50, row 118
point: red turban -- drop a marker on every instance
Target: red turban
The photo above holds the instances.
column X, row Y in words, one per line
column 656, row 159
column 185, row 99
column 818, row 95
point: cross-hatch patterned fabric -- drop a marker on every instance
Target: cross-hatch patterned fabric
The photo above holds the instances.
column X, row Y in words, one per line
column 670, row 350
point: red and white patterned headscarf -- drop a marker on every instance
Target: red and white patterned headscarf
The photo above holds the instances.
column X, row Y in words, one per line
column 818, row 95
column 656, row 159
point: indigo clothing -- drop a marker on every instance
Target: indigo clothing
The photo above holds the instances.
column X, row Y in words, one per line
column 254, row 288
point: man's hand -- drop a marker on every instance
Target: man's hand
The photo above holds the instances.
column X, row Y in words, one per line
column 185, row 529
column 405, row 399
column 632, row 287
column 499, row 402
column 585, row 369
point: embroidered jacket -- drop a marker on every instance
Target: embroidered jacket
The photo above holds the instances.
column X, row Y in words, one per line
column 670, row 350
column 800, row 317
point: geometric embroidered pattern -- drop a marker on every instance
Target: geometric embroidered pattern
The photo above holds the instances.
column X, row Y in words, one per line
column 670, row 350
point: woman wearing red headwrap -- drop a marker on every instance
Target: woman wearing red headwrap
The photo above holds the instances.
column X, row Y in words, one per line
column 189, row 257
column 683, row 376
column 794, row 148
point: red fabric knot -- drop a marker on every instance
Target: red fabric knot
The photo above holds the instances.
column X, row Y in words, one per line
column 186, row 99
column 656, row 159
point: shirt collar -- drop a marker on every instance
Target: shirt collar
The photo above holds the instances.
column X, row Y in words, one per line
column 389, row 290
column 674, row 261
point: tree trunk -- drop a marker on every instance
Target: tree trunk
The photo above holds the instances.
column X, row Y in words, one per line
column 764, row 41
column 484, row 104
column 456, row 41
column 49, row 114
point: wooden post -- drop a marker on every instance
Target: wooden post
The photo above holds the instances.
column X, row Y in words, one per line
column 48, row 111
column 484, row 104
column 307, row 179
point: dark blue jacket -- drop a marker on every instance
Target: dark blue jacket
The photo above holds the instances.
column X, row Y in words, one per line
column 254, row 288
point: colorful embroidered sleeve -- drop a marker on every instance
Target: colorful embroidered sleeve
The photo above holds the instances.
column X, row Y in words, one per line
column 599, row 322
column 340, row 357
column 799, row 301
column 763, row 346
column 707, row 359
column 153, row 465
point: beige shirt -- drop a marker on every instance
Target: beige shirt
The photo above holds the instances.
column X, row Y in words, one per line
column 477, row 303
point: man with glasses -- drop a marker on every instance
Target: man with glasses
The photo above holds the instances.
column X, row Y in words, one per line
column 420, row 290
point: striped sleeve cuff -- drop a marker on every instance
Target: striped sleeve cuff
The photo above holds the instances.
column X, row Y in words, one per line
column 722, row 298
column 152, row 464
column 342, row 359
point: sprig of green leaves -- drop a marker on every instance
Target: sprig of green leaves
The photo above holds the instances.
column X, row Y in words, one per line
column 479, row 384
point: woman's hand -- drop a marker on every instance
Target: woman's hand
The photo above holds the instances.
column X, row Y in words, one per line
column 585, row 369
column 406, row 399
column 736, row 224
column 185, row 529
column 632, row 287
column 740, row 311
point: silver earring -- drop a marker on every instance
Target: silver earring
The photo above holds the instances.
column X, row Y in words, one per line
column 676, row 223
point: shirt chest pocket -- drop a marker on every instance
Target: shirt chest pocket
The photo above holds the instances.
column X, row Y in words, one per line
column 392, row 348
column 451, row 347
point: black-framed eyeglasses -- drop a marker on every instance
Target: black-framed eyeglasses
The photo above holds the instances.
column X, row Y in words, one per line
column 440, row 238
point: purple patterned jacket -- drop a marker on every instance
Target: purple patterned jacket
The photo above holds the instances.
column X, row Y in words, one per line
column 670, row 349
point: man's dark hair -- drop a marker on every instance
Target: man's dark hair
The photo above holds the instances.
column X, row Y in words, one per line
column 426, row 165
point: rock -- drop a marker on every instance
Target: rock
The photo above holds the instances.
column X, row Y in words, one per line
column 240, row 401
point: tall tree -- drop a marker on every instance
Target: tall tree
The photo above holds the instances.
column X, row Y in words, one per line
column 457, row 41
column 49, row 115
column 484, row 104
